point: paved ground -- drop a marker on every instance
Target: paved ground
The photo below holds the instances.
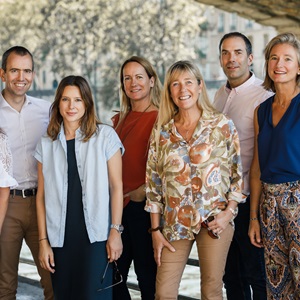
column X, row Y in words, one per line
column 29, row 290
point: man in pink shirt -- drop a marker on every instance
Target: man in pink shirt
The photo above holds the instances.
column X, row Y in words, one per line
column 237, row 99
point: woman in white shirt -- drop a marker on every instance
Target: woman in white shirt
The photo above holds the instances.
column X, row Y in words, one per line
column 6, row 179
column 80, row 196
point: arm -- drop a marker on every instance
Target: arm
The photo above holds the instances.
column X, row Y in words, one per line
column 154, row 203
column 4, row 195
column 46, row 257
column 114, row 243
column 255, row 187
column 137, row 195
column 234, row 195
column 158, row 240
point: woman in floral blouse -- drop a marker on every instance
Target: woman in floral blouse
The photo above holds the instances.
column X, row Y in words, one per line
column 6, row 180
column 194, row 183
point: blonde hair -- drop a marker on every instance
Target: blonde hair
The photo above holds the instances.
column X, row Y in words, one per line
column 168, row 109
column 155, row 91
column 283, row 38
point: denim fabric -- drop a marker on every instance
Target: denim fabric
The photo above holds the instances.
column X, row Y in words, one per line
column 245, row 266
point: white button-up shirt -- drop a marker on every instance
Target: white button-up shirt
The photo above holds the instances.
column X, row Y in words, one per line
column 91, row 157
column 24, row 129
column 239, row 104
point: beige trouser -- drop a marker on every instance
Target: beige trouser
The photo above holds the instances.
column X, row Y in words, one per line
column 20, row 223
column 212, row 255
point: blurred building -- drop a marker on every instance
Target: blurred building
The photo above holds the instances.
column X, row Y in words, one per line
column 219, row 23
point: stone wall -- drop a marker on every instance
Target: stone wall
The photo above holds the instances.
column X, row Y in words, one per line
column 284, row 15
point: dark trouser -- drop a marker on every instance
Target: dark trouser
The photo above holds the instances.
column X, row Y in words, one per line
column 137, row 247
column 78, row 272
column 245, row 267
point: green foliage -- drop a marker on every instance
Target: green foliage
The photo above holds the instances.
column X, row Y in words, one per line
column 93, row 37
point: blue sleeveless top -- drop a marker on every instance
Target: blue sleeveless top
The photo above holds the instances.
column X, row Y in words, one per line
column 279, row 146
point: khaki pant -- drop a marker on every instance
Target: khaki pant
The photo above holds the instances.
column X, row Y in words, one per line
column 212, row 255
column 20, row 223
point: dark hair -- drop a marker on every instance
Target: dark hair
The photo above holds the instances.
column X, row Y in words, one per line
column 283, row 38
column 89, row 122
column 19, row 50
column 240, row 35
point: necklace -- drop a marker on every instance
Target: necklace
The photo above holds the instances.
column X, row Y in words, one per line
column 186, row 132
column 133, row 125
column 286, row 104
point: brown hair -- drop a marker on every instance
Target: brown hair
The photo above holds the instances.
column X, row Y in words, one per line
column 88, row 123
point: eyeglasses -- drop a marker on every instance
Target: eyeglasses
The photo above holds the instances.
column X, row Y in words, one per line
column 213, row 235
column 118, row 278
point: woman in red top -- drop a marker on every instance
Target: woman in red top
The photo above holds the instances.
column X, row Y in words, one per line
column 140, row 91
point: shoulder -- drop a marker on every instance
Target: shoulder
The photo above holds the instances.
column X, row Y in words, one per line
column 41, row 103
column 219, row 95
column 105, row 131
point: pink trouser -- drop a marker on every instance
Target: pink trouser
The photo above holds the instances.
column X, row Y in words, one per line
column 20, row 223
column 212, row 255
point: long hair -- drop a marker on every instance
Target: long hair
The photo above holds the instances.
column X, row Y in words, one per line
column 155, row 91
column 283, row 38
column 168, row 109
column 88, row 123
column 19, row 50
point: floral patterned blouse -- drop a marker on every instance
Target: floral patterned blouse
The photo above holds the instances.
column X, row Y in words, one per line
column 186, row 180
column 6, row 179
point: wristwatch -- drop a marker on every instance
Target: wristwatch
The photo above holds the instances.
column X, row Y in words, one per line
column 118, row 227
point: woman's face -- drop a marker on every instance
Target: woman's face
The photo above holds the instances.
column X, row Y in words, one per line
column 71, row 106
column 283, row 65
column 185, row 90
column 136, row 82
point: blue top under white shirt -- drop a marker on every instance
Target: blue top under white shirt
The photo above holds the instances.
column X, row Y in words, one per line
column 91, row 157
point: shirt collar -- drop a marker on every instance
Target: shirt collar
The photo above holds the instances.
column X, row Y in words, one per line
column 4, row 103
column 244, row 85
column 61, row 135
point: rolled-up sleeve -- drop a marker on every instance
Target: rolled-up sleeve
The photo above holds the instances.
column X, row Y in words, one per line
column 154, row 194
column 236, row 178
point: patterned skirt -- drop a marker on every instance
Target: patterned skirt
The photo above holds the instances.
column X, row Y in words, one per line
column 280, row 226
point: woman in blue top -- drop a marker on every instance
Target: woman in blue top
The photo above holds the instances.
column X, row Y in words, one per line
column 275, row 170
column 80, row 196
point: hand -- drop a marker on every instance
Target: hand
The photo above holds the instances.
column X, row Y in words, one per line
column 114, row 245
column 254, row 233
column 46, row 256
column 220, row 221
column 137, row 195
column 159, row 242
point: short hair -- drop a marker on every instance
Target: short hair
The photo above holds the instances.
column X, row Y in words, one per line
column 88, row 123
column 283, row 38
column 155, row 92
column 19, row 50
column 240, row 35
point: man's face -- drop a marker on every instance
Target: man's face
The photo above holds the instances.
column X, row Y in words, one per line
column 18, row 76
column 235, row 61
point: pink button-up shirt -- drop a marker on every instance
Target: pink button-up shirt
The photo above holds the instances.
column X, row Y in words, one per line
column 239, row 104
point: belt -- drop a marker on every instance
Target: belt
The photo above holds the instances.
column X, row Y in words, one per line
column 24, row 193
